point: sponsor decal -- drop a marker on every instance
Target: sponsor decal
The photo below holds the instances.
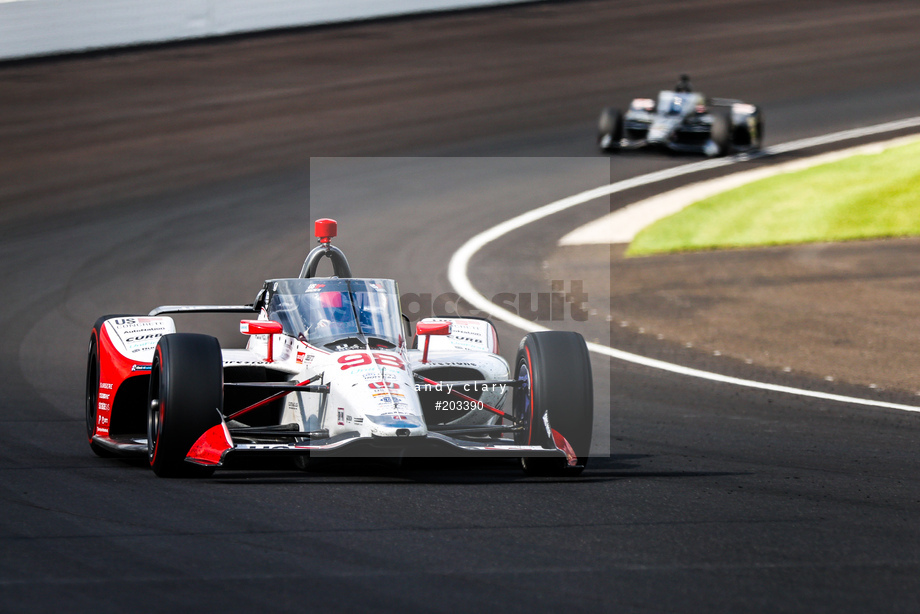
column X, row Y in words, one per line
column 383, row 386
column 140, row 338
column 341, row 413
column 141, row 367
column 375, row 374
column 138, row 331
column 102, row 420
column 105, row 386
column 452, row 363
column 300, row 357
column 104, row 395
column 140, row 335
column 104, row 406
column 139, row 325
column 388, row 394
column 394, row 421
column 343, row 347
column 402, row 425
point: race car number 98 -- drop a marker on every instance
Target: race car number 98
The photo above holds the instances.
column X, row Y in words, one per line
column 363, row 358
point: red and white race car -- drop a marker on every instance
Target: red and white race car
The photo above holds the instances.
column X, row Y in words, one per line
column 328, row 371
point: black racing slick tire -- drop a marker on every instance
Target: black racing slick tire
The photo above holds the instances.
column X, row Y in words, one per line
column 554, row 368
column 610, row 129
column 185, row 400
column 93, row 370
column 92, row 394
column 721, row 133
column 757, row 138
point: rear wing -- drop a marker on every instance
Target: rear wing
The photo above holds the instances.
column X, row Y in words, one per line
column 722, row 102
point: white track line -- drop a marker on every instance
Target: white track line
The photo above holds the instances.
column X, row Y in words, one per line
column 457, row 270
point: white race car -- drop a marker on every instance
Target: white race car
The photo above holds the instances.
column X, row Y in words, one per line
column 328, row 371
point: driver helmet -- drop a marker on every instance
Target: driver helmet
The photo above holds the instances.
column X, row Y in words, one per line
column 683, row 85
column 335, row 306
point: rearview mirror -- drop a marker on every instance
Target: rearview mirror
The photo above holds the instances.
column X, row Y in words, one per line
column 260, row 327
column 432, row 328
column 428, row 329
column 263, row 327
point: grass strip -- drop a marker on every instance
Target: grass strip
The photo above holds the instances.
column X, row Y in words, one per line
column 866, row 196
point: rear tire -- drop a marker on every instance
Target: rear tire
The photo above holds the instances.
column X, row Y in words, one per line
column 757, row 139
column 185, row 400
column 92, row 385
column 558, row 388
column 721, row 133
column 92, row 395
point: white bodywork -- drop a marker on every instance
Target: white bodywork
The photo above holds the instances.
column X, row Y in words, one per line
column 372, row 392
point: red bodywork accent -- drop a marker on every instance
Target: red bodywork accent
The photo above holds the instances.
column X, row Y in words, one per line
column 114, row 369
column 210, row 448
column 325, row 229
column 563, row 444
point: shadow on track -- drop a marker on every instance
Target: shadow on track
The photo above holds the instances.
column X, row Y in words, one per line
column 440, row 471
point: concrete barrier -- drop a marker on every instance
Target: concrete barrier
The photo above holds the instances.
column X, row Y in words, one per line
column 42, row 27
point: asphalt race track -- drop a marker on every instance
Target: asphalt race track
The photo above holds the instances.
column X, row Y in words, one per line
column 183, row 174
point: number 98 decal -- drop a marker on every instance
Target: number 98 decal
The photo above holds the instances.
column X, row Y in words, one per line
column 359, row 359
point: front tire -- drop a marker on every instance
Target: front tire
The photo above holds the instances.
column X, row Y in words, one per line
column 610, row 130
column 557, row 389
column 184, row 401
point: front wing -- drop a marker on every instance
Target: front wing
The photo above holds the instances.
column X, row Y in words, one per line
column 216, row 445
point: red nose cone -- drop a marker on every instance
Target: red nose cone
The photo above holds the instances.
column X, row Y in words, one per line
column 325, row 229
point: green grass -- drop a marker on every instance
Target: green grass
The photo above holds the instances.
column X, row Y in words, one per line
column 862, row 197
